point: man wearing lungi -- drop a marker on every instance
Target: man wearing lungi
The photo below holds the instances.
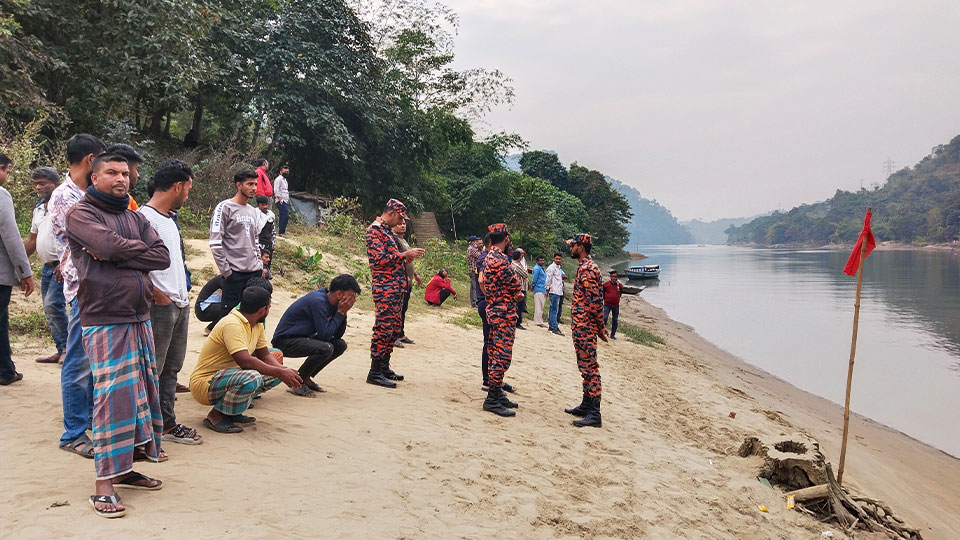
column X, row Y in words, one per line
column 113, row 250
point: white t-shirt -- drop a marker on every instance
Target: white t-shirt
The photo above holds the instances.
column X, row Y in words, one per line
column 171, row 281
column 43, row 228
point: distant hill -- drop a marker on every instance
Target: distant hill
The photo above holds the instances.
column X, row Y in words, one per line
column 652, row 224
column 916, row 205
column 713, row 232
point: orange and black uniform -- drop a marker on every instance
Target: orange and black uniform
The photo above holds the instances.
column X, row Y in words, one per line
column 501, row 287
column 586, row 314
column 388, row 274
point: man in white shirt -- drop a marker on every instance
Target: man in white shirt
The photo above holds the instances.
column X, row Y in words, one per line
column 555, row 276
column 170, row 312
column 281, row 192
column 42, row 240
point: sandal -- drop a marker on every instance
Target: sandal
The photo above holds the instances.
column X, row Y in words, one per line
column 241, row 419
column 183, row 435
column 130, row 481
column 73, row 447
column 302, row 391
column 223, row 426
column 109, row 499
column 315, row 387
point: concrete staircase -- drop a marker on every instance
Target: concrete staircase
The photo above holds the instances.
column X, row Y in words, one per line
column 424, row 227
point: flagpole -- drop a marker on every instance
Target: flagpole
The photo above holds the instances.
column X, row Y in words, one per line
column 853, row 353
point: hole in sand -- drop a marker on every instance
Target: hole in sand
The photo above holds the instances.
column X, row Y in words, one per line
column 791, row 447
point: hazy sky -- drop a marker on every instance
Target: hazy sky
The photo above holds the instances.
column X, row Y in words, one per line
column 724, row 109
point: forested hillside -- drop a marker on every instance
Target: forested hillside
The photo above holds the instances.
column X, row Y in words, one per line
column 916, row 205
column 652, row 223
column 712, row 232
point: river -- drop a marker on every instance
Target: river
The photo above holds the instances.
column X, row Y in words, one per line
column 790, row 312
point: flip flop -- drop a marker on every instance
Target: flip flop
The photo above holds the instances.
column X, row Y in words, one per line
column 223, row 426
column 131, row 482
column 110, row 499
column 139, row 454
column 72, row 447
column 241, row 419
column 302, row 391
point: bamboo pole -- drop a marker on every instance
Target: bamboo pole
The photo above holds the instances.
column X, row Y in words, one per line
column 853, row 353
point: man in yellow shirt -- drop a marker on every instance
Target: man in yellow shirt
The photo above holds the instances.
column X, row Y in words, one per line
column 235, row 364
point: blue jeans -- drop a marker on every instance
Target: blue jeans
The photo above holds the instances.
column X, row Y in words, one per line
column 54, row 306
column 607, row 310
column 76, row 382
column 554, row 310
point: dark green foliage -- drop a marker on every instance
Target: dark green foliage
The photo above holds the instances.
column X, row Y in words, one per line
column 918, row 205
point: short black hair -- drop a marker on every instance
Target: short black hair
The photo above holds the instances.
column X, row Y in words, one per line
column 587, row 247
column 125, row 150
column 243, row 174
column 615, row 272
column 344, row 282
column 166, row 177
column 174, row 162
column 486, row 239
column 496, row 238
column 82, row 145
column 284, row 166
column 517, row 254
column 48, row 173
column 4, row 160
column 541, row 257
column 557, row 254
column 260, row 162
column 260, row 282
column 106, row 158
column 262, row 199
column 253, row 299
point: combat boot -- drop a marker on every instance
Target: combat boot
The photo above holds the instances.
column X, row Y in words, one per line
column 494, row 405
column 387, row 372
column 592, row 418
column 376, row 375
column 581, row 409
column 505, row 401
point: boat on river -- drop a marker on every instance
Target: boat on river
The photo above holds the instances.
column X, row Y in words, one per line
column 643, row 271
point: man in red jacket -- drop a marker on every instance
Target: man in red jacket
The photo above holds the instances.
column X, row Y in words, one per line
column 263, row 181
column 114, row 249
column 439, row 289
column 612, row 291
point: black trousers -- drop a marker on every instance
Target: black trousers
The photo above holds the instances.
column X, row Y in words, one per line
column 403, row 312
column 232, row 290
column 484, row 355
column 444, row 294
column 319, row 353
column 7, row 368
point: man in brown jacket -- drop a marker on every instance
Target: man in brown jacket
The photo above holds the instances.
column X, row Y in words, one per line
column 114, row 249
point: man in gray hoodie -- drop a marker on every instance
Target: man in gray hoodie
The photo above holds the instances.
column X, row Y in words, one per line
column 14, row 271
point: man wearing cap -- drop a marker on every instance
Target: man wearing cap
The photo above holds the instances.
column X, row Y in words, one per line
column 586, row 314
column 502, row 289
column 474, row 248
column 388, row 274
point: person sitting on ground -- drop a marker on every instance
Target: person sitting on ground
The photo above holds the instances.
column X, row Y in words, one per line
column 439, row 289
column 313, row 326
column 235, row 364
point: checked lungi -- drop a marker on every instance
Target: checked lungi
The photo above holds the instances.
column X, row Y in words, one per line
column 126, row 399
column 232, row 390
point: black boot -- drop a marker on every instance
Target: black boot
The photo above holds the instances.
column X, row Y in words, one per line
column 592, row 417
column 376, row 375
column 505, row 401
column 387, row 372
column 493, row 403
column 581, row 409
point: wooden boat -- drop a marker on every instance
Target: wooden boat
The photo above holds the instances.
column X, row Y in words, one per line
column 643, row 271
column 630, row 289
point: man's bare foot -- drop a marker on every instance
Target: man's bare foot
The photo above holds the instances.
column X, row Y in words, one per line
column 303, row 391
column 105, row 487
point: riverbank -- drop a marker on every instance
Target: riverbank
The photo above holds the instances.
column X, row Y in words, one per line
column 424, row 461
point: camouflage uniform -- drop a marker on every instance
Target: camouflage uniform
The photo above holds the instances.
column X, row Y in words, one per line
column 389, row 281
column 502, row 286
column 586, row 313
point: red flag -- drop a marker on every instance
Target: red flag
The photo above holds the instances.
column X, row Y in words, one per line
column 866, row 235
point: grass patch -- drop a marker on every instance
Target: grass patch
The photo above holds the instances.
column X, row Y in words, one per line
column 640, row 335
column 33, row 324
column 470, row 319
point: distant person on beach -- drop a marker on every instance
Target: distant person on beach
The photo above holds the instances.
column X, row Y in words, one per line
column 235, row 365
column 43, row 242
column 554, row 286
column 15, row 271
column 474, row 247
column 538, row 284
column 233, row 239
column 281, row 192
column 586, row 324
column 263, row 181
column 76, row 382
column 113, row 250
column 134, row 159
column 170, row 312
column 388, row 274
column 502, row 290
column 313, row 326
column 519, row 267
column 439, row 288
column 400, row 231
column 612, row 291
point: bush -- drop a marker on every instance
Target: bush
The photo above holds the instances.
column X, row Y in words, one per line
column 24, row 148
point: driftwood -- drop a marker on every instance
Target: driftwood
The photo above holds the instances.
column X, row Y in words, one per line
column 798, row 464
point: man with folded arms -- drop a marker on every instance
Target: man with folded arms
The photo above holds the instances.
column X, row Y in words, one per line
column 313, row 326
column 113, row 249
column 235, row 364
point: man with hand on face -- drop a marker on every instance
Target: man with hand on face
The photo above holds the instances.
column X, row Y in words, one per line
column 388, row 274
column 233, row 240
column 113, row 250
column 586, row 324
column 235, row 364
column 42, row 240
column 313, row 326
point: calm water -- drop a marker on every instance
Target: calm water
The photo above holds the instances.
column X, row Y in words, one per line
column 791, row 313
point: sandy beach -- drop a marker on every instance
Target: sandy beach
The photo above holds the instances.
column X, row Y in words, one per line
column 424, row 461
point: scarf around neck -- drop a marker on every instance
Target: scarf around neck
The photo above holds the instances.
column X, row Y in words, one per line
column 114, row 205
